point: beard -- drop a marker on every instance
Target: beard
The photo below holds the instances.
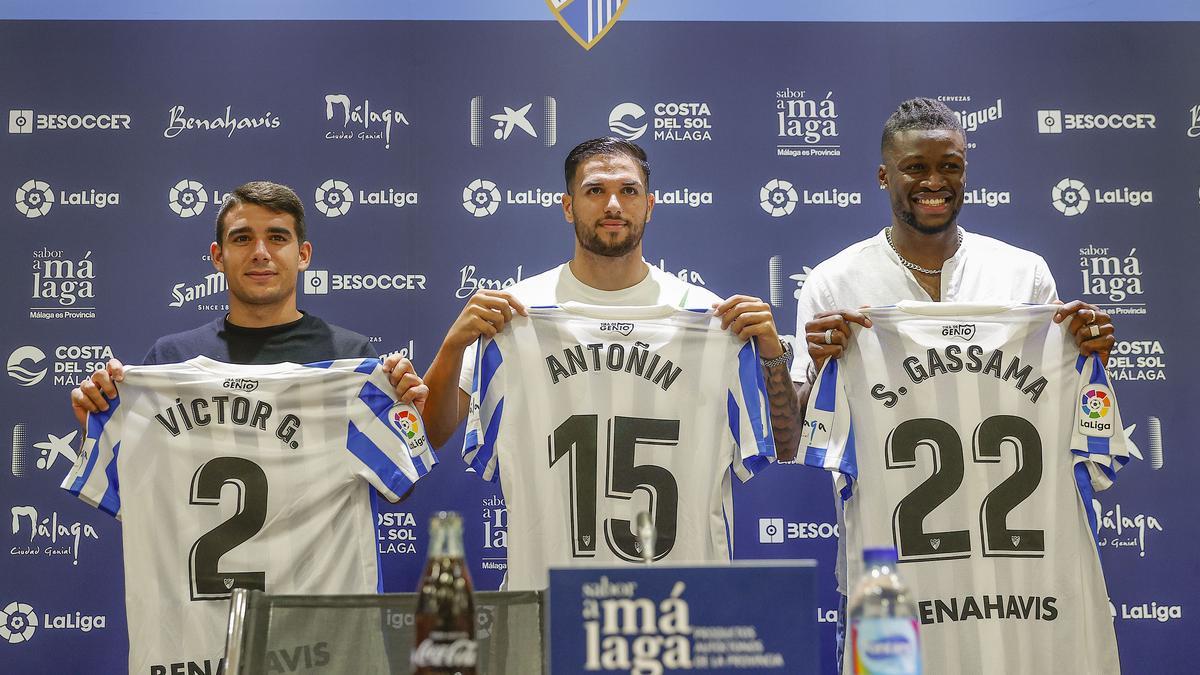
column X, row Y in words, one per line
column 906, row 216
column 608, row 245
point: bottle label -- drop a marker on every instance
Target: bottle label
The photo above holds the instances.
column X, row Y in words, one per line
column 885, row 646
column 446, row 650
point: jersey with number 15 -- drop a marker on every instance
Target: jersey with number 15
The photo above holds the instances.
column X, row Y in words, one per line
column 590, row 415
column 228, row 476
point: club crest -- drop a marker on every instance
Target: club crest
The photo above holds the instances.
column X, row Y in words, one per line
column 588, row 21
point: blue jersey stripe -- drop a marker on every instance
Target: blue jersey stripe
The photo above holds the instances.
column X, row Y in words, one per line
column 488, row 449
column 489, row 363
column 376, row 460
column 110, row 503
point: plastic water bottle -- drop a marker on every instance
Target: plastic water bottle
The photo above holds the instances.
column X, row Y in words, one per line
column 884, row 635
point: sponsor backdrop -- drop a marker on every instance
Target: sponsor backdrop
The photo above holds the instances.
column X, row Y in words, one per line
column 429, row 155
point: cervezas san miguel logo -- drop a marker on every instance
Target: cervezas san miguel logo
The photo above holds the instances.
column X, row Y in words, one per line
column 588, row 21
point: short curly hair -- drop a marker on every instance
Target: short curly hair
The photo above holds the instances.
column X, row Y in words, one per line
column 919, row 113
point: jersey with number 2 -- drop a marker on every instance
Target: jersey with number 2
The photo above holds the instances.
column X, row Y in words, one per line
column 971, row 438
column 229, row 476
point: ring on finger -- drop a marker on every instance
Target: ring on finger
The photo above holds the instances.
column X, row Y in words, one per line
column 1093, row 330
column 828, row 336
column 1091, row 317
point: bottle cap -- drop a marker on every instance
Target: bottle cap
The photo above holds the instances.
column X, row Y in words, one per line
column 884, row 555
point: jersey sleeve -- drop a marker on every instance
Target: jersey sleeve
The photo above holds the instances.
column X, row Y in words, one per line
column 486, row 412
column 827, row 441
column 809, row 301
column 386, row 437
column 750, row 415
column 1098, row 438
column 93, row 478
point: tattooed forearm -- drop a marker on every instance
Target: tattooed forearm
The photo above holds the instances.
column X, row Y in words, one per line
column 785, row 412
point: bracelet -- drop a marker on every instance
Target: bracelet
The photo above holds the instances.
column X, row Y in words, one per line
column 784, row 358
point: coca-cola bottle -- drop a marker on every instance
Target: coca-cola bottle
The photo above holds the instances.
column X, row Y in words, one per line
column 445, row 637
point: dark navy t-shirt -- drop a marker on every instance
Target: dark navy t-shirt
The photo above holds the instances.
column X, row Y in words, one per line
column 306, row 340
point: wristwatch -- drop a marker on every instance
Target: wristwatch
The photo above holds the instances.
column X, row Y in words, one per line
column 784, row 358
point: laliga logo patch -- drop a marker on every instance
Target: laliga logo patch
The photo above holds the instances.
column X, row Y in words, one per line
column 334, row 198
column 588, row 21
column 963, row 331
column 405, row 420
column 1095, row 406
column 34, row 198
column 188, row 198
column 18, row 622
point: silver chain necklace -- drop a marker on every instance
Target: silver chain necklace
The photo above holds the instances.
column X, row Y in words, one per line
column 910, row 264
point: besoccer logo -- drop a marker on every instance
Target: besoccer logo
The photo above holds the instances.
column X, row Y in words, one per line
column 407, row 423
column 770, row 530
column 34, row 198
column 18, row 622
column 627, row 130
column 481, row 198
column 334, row 198
column 20, row 121
column 188, row 198
column 1096, row 404
column 778, row 198
column 26, row 377
column 1070, row 197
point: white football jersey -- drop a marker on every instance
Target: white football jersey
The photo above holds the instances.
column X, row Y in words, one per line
column 971, row 438
column 589, row 415
column 231, row 476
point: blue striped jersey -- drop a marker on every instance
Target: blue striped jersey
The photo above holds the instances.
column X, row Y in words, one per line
column 589, row 415
column 229, row 476
column 971, row 438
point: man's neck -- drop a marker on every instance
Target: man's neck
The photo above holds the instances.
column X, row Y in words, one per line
column 926, row 250
column 608, row 274
column 262, row 316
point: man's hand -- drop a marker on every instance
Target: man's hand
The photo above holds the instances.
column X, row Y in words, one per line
column 94, row 393
column 1092, row 328
column 485, row 314
column 750, row 317
column 409, row 386
column 829, row 332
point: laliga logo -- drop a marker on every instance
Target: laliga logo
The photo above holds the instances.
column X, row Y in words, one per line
column 334, row 198
column 590, row 18
column 407, row 423
column 481, row 198
column 778, row 198
column 18, row 622
column 188, row 198
column 626, row 130
column 1095, row 404
column 26, row 377
column 1070, row 197
column 34, row 198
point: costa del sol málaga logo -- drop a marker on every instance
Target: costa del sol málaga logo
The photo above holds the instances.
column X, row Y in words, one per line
column 188, row 198
column 1096, row 404
column 34, row 198
column 26, row 376
column 624, row 117
column 334, row 198
column 1070, row 197
column 778, row 198
column 18, row 622
column 481, row 197
column 407, row 423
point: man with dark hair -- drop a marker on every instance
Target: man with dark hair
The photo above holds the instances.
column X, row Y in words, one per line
column 924, row 255
column 261, row 246
column 609, row 202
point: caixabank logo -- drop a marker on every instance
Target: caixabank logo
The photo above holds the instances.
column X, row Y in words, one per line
column 35, row 198
column 779, row 197
column 483, row 197
column 334, row 197
column 514, row 120
column 1072, row 197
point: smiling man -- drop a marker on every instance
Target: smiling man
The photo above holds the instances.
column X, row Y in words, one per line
column 923, row 255
column 261, row 246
